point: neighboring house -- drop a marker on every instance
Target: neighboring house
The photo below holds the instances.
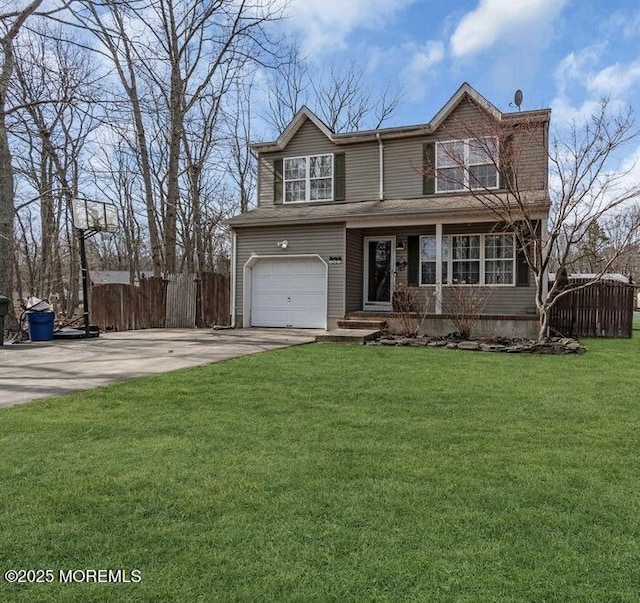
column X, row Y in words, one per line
column 342, row 219
column 117, row 277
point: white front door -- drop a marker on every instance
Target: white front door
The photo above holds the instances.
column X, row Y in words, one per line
column 289, row 292
column 379, row 271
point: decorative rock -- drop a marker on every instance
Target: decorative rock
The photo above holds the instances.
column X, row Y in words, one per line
column 468, row 345
column 492, row 347
column 557, row 345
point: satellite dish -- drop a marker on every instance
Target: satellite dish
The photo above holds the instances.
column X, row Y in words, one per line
column 517, row 98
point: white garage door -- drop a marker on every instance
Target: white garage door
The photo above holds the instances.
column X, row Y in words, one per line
column 289, row 292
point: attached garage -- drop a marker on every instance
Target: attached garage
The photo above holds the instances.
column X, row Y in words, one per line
column 287, row 291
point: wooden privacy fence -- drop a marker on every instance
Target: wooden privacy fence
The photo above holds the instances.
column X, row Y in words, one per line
column 603, row 309
column 179, row 301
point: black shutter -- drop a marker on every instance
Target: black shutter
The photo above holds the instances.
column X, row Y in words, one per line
column 413, row 258
column 428, row 168
column 507, row 174
column 338, row 177
column 522, row 269
column 277, row 181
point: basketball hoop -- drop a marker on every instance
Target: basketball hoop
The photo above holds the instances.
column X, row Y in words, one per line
column 94, row 216
column 91, row 217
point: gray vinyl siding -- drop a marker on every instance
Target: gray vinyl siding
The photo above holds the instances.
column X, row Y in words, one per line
column 510, row 300
column 362, row 180
column 354, row 270
column 324, row 240
column 403, row 169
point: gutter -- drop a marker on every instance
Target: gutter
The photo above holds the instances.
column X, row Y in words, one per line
column 381, row 164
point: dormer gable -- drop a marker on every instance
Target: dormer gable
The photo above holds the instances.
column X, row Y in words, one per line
column 303, row 116
column 466, row 92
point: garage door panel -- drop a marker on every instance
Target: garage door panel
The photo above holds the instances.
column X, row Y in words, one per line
column 289, row 292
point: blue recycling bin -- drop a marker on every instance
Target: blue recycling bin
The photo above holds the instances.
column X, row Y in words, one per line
column 40, row 325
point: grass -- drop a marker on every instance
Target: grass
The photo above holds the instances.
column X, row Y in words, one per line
column 331, row 473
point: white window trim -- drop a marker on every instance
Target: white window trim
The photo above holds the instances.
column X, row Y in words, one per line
column 467, row 165
column 482, row 259
column 307, row 179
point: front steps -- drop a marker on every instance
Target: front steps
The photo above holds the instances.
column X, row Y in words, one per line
column 362, row 323
column 355, row 328
column 352, row 336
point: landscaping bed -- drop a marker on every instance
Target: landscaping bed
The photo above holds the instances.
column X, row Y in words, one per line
column 555, row 345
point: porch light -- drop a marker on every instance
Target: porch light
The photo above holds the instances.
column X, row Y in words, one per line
column 400, row 246
column 282, row 244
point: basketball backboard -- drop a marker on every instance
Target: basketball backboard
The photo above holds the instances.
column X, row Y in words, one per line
column 94, row 215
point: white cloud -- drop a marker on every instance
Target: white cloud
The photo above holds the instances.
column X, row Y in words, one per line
column 581, row 83
column 615, row 79
column 411, row 63
column 571, row 103
column 325, row 24
column 496, row 20
column 422, row 60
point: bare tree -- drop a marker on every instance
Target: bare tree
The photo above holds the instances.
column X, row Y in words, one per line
column 11, row 22
column 584, row 188
column 55, row 89
column 238, row 119
column 339, row 95
column 175, row 61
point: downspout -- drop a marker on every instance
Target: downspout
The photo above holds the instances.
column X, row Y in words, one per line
column 232, row 292
column 381, row 164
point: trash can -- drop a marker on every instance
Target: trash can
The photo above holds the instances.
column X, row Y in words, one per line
column 40, row 325
column 4, row 310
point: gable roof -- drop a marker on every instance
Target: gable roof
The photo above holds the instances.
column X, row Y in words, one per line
column 465, row 91
column 299, row 118
column 458, row 96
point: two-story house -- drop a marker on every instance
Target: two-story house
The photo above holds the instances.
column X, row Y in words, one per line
column 343, row 219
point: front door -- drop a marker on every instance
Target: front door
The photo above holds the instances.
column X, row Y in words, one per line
column 379, row 266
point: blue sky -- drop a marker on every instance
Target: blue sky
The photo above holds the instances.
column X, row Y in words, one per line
column 563, row 54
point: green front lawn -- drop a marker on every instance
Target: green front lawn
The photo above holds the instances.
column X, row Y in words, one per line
column 335, row 473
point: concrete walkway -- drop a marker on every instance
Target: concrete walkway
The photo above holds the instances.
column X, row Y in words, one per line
column 38, row 370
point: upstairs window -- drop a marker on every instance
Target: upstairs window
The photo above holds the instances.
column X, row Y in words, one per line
column 308, row 178
column 466, row 164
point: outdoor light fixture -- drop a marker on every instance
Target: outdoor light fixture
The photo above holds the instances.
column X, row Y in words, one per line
column 400, row 246
column 282, row 244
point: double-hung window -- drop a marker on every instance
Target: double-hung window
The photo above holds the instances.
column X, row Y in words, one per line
column 468, row 164
column 499, row 259
column 428, row 260
column 465, row 259
column 308, row 178
column 476, row 259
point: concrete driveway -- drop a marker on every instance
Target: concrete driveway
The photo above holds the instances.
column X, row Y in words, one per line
column 38, row 370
